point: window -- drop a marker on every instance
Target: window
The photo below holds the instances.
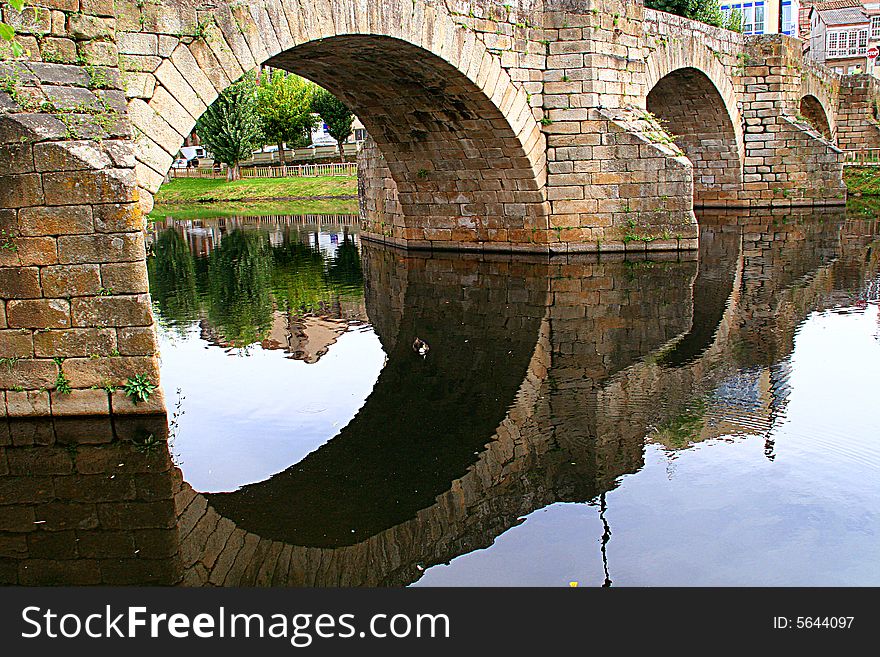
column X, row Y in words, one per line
column 789, row 26
column 847, row 42
column 752, row 14
column 875, row 27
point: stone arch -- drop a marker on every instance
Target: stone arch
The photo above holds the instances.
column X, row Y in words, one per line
column 693, row 108
column 458, row 135
column 823, row 86
column 812, row 110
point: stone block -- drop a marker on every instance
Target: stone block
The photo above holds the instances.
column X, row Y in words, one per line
column 80, row 402
column 19, row 191
column 20, row 283
column 38, row 313
column 75, row 342
column 17, row 158
column 124, row 405
column 71, row 280
column 16, row 343
column 61, row 220
column 115, row 371
column 125, row 277
column 136, row 341
column 86, row 187
column 28, row 403
column 112, row 311
column 118, row 218
column 101, row 248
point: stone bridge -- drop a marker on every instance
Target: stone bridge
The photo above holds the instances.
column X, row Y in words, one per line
column 526, row 126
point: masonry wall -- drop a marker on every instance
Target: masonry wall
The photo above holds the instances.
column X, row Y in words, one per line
column 856, row 115
column 75, row 319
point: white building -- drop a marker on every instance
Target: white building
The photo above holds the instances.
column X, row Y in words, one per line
column 766, row 16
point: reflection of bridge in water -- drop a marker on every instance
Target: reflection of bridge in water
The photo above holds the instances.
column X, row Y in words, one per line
column 542, row 382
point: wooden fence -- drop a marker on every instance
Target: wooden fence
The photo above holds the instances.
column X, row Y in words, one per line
column 862, row 157
column 290, row 171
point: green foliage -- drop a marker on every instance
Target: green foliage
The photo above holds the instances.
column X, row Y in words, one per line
column 284, row 105
column 239, row 285
column 7, row 32
column 230, row 127
column 706, row 11
column 239, row 279
column 138, row 388
column 173, row 280
column 62, row 384
column 862, row 180
column 336, row 115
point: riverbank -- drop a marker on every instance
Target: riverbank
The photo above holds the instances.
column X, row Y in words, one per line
column 863, row 181
column 252, row 209
column 257, row 190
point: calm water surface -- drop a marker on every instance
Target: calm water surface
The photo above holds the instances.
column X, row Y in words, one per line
column 694, row 419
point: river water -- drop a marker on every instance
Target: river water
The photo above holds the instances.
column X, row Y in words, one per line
column 350, row 414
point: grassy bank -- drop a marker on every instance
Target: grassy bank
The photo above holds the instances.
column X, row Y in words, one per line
column 251, row 209
column 862, row 180
column 206, row 190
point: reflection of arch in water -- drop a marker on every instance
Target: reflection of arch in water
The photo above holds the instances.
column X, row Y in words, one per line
column 533, row 457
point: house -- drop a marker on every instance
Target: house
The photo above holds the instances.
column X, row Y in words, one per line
column 842, row 32
column 766, row 16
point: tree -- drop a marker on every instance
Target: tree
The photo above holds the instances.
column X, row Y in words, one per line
column 706, row 11
column 284, row 103
column 230, row 127
column 335, row 114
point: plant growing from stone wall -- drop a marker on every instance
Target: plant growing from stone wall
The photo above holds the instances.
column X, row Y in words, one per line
column 7, row 32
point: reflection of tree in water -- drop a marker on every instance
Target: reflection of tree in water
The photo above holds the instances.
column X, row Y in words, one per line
column 298, row 276
column 239, row 280
column 303, row 282
column 345, row 272
column 173, row 281
column 237, row 287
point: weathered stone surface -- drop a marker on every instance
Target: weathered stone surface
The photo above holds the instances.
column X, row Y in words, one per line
column 136, row 341
column 105, row 186
column 29, row 374
column 61, row 220
column 133, row 310
column 118, row 218
column 115, row 371
column 71, row 280
column 38, row 313
column 87, row 28
column 70, row 156
column 20, row 282
column 57, row 49
column 125, row 277
column 30, row 251
column 124, row 405
column 101, row 248
column 14, row 128
column 16, row 343
column 75, row 343
column 21, row 191
column 27, row 403
column 80, row 402
column 17, row 158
